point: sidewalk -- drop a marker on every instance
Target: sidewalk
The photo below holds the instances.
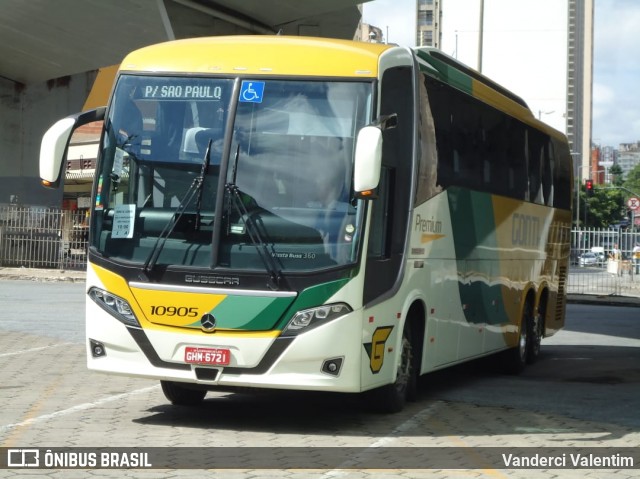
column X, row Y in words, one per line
column 35, row 274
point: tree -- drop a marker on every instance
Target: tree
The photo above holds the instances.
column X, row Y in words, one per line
column 602, row 209
column 617, row 178
column 632, row 181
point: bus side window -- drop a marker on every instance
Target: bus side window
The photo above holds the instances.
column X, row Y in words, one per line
column 547, row 157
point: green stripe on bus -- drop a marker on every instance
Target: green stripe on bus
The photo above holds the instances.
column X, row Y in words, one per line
column 251, row 313
column 477, row 253
column 312, row 297
column 261, row 313
column 446, row 73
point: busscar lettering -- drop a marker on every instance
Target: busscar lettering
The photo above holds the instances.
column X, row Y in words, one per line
column 217, row 280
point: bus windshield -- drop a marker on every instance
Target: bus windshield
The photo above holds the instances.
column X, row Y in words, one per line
column 285, row 190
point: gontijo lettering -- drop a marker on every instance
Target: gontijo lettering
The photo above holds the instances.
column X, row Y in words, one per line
column 525, row 230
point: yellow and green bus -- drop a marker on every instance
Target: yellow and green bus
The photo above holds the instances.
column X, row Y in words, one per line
column 316, row 214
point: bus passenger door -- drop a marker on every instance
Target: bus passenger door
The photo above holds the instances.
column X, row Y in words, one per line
column 389, row 217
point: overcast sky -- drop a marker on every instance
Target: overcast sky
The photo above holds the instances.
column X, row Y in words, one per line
column 525, row 50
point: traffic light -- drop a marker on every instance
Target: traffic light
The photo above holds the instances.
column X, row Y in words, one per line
column 588, row 185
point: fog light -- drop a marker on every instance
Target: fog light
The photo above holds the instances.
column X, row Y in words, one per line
column 332, row 366
column 97, row 349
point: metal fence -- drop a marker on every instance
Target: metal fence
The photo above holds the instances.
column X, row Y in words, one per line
column 35, row 237
column 585, row 240
column 614, row 278
column 607, row 276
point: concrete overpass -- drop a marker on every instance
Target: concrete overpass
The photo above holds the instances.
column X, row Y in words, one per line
column 50, row 51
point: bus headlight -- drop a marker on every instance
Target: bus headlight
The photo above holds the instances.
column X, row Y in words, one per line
column 310, row 318
column 114, row 305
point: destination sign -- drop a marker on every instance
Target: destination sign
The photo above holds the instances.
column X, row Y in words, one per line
column 182, row 92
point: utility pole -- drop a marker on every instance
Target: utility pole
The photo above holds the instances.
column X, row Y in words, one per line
column 481, row 36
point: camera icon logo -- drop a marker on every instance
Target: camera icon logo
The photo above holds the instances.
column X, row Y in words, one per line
column 23, row 458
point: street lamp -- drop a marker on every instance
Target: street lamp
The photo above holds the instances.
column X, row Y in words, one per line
column 481, row 36
column 589, row 190
column 577, row 170
column 540, row 113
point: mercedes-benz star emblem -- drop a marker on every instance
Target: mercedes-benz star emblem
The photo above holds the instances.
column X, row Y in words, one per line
column 208, row 323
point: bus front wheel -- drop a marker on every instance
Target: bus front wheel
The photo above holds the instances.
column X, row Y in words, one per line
column 392, row 397
column 181, row 395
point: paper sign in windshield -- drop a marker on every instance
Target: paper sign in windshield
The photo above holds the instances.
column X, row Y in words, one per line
column 118, row 162
column 123, row 221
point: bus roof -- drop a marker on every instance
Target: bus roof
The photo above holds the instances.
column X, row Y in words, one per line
column 458, row 75
column 259, row 55
column 305, row 56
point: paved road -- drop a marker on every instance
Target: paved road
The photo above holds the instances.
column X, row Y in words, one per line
column 582, row 393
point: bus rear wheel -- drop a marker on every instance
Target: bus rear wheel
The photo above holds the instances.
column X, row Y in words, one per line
column 535, row 337
column 180, row 395
column 516, row 358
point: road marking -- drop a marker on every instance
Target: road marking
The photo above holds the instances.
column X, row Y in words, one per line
column 79, row 407
column 413, row 422
column 409, row 424
column 32, row 350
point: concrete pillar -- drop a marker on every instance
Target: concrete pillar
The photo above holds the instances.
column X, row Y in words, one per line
column 26, row 112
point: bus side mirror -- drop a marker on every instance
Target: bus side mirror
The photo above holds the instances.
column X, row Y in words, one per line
column 55, row 143
column 368, row 161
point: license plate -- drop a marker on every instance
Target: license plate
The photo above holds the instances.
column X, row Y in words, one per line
column 210, row 356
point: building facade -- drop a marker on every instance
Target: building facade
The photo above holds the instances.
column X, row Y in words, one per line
column 628, row 156
column 429, row 23
column 580, row 84
column 369, row 33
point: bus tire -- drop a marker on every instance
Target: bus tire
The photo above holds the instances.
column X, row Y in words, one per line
column 393, row 397
column 535, row 337
column 516, row 358
column 180, row 395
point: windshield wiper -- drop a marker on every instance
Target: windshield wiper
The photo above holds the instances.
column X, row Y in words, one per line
column 267, row 256
column 203, row 174
column 253, row 230
column 196, row 187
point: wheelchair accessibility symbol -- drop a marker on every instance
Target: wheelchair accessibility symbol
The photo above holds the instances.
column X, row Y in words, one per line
column 251, row 91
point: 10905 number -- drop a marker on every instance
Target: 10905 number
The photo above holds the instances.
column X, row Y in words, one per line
column 182, row 311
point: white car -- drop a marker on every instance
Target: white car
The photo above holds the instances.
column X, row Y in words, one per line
column 591, row 259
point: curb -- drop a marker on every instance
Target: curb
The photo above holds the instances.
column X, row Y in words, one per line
column 609, row 299
column 34, row 274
